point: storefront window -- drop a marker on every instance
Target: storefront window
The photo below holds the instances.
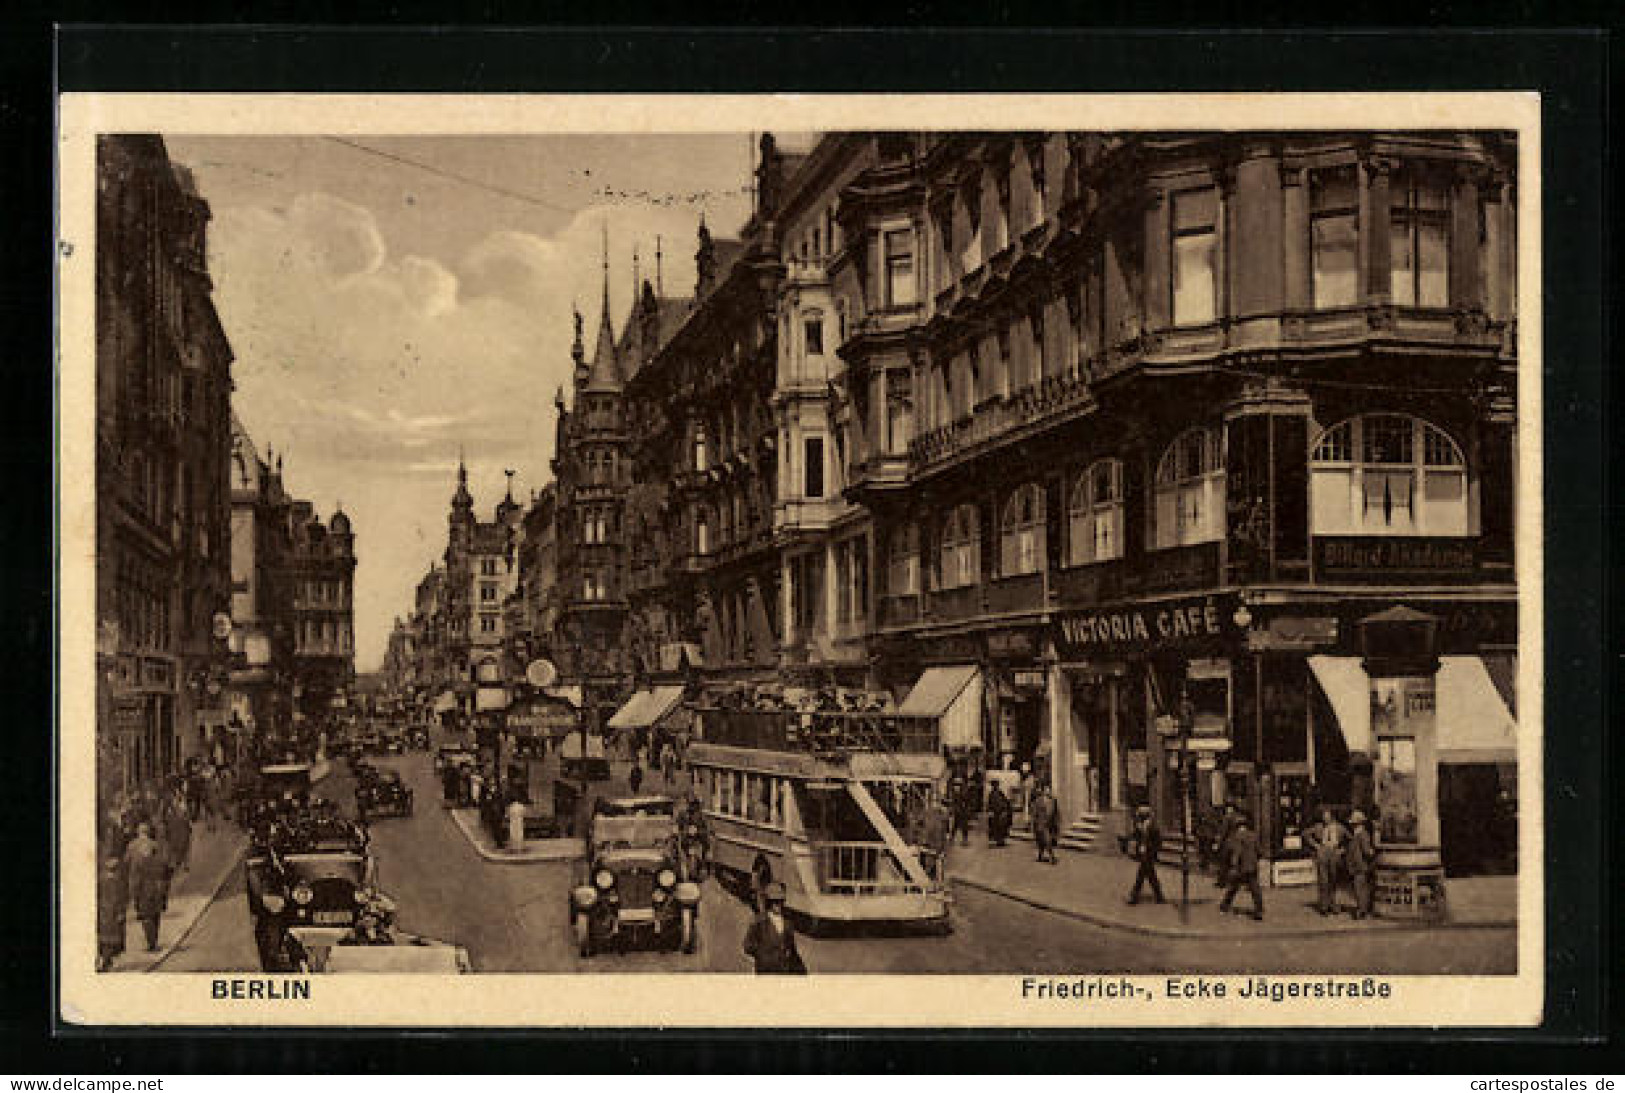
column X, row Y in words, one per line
column 1388, row 474
column 1189, row 491
column 1022, row 543
column 1095, row 517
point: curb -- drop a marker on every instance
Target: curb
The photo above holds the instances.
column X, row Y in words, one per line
column 1187, row 932
column 542, row 850
column 213, row 893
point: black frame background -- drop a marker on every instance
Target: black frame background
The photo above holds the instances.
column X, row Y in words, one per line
column 1569, row 68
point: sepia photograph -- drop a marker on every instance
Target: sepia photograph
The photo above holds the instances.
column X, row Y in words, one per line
column 1086, row 550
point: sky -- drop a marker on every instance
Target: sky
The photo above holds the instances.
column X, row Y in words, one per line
column 393, row 300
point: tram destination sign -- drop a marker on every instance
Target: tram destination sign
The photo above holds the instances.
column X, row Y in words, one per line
column 1165, row 624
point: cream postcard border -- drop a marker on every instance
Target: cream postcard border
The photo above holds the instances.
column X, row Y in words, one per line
column 699, row 999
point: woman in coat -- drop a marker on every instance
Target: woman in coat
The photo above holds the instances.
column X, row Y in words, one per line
column 178, row 835
column 148, row 874
column 998, row 816
column 112, row 905
column 1046, row 822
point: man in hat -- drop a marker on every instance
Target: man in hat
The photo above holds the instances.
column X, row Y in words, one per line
column 112, row 904
column 1360, row 858
column 148, row 874
column 1145, row 845
column 771, row 941
column 1327, row 839
column 1242, row 853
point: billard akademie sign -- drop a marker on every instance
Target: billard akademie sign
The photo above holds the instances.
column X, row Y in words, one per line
column 1145, row 626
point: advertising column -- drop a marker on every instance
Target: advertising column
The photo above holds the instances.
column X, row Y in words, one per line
column 1402, row 664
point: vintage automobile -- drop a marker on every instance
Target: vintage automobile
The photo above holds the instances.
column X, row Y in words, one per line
column 634, row 884
column 277, row 788
column 383, row 794
column 309, row 869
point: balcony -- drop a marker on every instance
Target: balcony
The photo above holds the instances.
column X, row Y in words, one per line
column 1026, row 411
column 879, row 472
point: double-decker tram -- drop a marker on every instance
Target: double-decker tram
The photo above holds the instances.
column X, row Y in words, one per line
column 827, row 802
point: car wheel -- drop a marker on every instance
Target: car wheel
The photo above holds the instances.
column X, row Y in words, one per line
column 583, row 936
column 689, row 936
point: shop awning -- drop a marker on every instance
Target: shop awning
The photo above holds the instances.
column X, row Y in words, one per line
column 631, row 715
column 1475, row 725
column 569, row 692
column 445, row 703
column 953, row 694
column 647, row 707
column 1348, row 689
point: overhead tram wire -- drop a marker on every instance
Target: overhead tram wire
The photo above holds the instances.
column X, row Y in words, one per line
column 452, row 176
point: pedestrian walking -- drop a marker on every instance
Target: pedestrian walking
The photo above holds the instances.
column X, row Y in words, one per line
column 1046, row 816
column 1242, row 852
column 1221, row 843
column 770, row 941
column 934, row 827
column 205, row 795
column 1327, row 840
column 668, row 763
column 1144, row 845
column 1360, row 858
column 634, row 778
column 178, row 837
column 959, row 796
column 148, row 873
column 998, row 816
column 112, row 905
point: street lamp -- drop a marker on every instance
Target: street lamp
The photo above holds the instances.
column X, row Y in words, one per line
column 1186, row 778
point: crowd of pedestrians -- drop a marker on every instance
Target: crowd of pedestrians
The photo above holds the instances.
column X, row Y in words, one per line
column 145, row 844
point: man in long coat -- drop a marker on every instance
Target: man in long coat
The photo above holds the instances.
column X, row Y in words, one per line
column 771, row 941
column 178, row 835
column 112, row 905
column 1146, row 845
column 1360, row 857
column 1242, row 854
column 1046, row 822
column 148, row 873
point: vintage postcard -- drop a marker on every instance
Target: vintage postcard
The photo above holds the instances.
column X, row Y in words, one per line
column 942, row 561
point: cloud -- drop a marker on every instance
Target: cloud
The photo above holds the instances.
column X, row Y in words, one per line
column 370, row 369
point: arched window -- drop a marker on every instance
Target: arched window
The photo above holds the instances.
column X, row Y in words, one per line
column 1021, row 547
column 1388, row 474
column 1095, row 514
column 961, row 548
column 903, row 566
column 1189, row 491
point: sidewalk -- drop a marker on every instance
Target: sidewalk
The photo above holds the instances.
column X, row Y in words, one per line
column 536, row 850
column 1093, row 887
column 215, row 854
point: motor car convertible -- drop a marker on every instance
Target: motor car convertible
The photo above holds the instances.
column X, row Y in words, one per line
column 374, row 945
column 633, row 885
column 384, row 794
column 311, row 870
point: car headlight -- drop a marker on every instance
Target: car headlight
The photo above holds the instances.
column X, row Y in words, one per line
column 273, row 902
column 361, row 895
column 604, row 879
column 302, row 894
column 658, row 896
column 666, row 878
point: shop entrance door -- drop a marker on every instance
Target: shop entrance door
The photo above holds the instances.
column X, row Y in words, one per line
column 1029, row 726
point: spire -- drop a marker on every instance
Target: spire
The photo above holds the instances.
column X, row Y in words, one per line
column 462, row 500
column 635, row 278
column 603, row 373
column 660, row 281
